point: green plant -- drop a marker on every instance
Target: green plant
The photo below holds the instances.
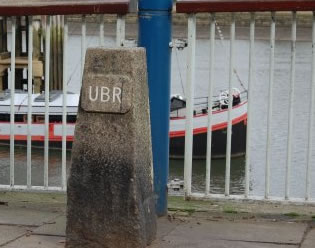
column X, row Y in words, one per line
column 229, row 210
column 291, row 214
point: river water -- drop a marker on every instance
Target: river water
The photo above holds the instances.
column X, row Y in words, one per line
column 259, row 117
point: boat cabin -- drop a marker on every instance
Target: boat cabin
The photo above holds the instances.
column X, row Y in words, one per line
column 38, row 107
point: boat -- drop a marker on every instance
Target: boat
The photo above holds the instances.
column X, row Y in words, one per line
column 38, row 117
column 177, row 121
column 200, row 125
column 176, row 184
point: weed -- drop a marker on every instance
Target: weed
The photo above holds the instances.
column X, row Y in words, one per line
column 291, row 214
column 229, row 210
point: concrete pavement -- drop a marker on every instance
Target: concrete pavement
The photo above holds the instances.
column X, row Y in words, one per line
column 31, row 222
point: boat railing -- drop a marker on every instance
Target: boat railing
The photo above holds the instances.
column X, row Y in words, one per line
column 47, row 25
column 201, row 105
column 203, row 102
column 229, row 9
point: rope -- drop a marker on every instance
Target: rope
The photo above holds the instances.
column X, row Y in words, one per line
column 234, row 70
column 179, row 71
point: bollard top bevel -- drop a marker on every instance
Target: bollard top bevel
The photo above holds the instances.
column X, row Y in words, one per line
column 108, row 79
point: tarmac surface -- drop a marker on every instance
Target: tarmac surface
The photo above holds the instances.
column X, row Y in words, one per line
column 35, row 222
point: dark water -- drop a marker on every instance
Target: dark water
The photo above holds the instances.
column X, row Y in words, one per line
column 54, row 169
column 217, row 175
column 280, row 110
column 176, row 170
column 259, row 118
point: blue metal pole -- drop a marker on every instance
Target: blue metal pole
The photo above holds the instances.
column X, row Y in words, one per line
column 155, row 33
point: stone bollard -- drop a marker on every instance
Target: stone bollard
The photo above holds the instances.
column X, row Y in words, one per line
column 110, row 193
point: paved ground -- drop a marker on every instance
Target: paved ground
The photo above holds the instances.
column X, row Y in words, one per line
column 34, row 223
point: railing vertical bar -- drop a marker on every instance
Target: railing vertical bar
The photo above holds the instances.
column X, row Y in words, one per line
column 311, row 122
column 83, row 45
column 12, row 106
column 121, row 30
column 291, row 107
column 269, row 120
column 229, row 124
column 29, row 109
column 47, row 67
column 42, row 41
column 102, row 19
column 249, row 102
column 210, row 96
column 190, row 103
column 64, row 108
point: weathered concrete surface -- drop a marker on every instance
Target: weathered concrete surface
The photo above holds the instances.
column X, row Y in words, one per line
column 25, row 217
column 212, row 229
column 21, row 214
column 110, row 188
column 36, row 241
column 187, row 232
column 9, row 233
column 221, row 244
column 56, row 227
column 200, row 231
column 309, row 241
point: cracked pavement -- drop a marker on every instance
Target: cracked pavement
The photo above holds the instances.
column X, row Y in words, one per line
column 35, row 222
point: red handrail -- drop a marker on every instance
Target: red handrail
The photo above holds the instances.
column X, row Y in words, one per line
column 196, row 6
column 62, row 7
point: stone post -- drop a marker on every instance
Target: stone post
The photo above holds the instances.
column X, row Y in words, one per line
column 110, row 192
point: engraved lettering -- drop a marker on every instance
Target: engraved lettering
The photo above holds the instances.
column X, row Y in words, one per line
column 105, row 92
column 96, row 94
column 117, row 94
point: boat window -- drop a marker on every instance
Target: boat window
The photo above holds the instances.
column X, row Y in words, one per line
column 58, row 118
column 71, row 118
column 39, row 118
column 5, row 117
column 19, row 118
column 177, row 104
column 55, row 118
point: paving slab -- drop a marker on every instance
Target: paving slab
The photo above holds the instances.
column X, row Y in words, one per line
column 9, row 233
column 217, row 244
column 38, row 241
column 165, row 226
column 190, row 233
column 48, row 230
column 202, row 232
column 55, row 227
column 309, row 241
column 24, row 216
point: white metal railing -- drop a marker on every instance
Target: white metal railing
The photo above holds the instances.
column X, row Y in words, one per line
column 190, row 101
column 249, row 99
column 12, row 102
column 120, row 37
column 210, row 100
column 311, row 121
column 190, row 85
